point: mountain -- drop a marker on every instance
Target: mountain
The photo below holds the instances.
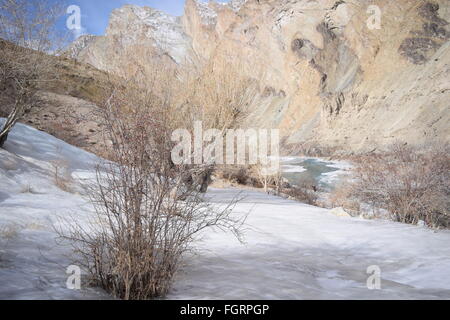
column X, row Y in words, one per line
column 333, row 82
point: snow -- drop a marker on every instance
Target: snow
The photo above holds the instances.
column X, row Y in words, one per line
column 296, row 251
column 292, row 250
column 237, row 4
column 292, row 169
column 207, row 14
column 333, row 177
column 33, row 265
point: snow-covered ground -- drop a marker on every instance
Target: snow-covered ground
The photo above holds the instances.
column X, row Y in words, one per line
column 292, row 250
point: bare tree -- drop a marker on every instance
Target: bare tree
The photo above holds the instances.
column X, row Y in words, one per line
column 27, row 35
column 220, row 95
column 146, row 217
column 269, row 178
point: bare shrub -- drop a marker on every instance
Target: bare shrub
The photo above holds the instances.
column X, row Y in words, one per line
column 411, row 183
column 146, row 217
column 305, row 192
column 27, row 35
column 343, row 196
column 7, row 233
column 219, row 93
column 268, row 179
column 61, row 176
column 243, row 175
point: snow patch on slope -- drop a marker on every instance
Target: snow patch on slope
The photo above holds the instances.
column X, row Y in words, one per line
column 236, row 5
column 207, row 14
column 33, row 263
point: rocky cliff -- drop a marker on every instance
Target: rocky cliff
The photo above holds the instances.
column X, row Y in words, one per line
column 351, row 75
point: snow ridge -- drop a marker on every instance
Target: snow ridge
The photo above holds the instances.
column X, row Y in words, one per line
column 236, row 5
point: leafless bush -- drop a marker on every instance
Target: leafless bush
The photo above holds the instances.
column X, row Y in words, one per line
column 146, row 216
column 343, row 196
column 27, row 35
column 305, row 192
column 268, row 179
column 61, row 176
column 219, row 93
column 243, row 175
column 7, row 233
column 411, row 183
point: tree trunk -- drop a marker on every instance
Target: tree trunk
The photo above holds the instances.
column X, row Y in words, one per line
column 3, row 139
column 205, row 181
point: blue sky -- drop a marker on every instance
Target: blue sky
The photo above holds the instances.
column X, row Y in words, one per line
column 95, row 13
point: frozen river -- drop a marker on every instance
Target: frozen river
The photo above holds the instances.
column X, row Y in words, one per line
column 324, row 174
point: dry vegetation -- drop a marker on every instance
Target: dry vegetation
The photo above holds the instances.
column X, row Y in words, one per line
column 241, row 175
column 27, row 34
column 411, row 183
column 148, row 213
column 7, row 233
column 343, row 196
column 305, row 192
column 218, row 94
column 148, row 210
column 61, row 176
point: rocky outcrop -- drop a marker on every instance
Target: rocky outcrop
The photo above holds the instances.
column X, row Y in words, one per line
column 332, row 80
column 136, row 37
column 423, row 42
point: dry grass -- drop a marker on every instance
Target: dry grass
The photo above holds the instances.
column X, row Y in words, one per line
column 242, row 175
column 9, row 232
column 61, row 176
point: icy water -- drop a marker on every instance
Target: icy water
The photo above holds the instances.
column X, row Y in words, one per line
column 322, row 173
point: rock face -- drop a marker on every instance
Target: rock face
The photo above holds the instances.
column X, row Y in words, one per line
column 334, row 79
column 136, row 36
